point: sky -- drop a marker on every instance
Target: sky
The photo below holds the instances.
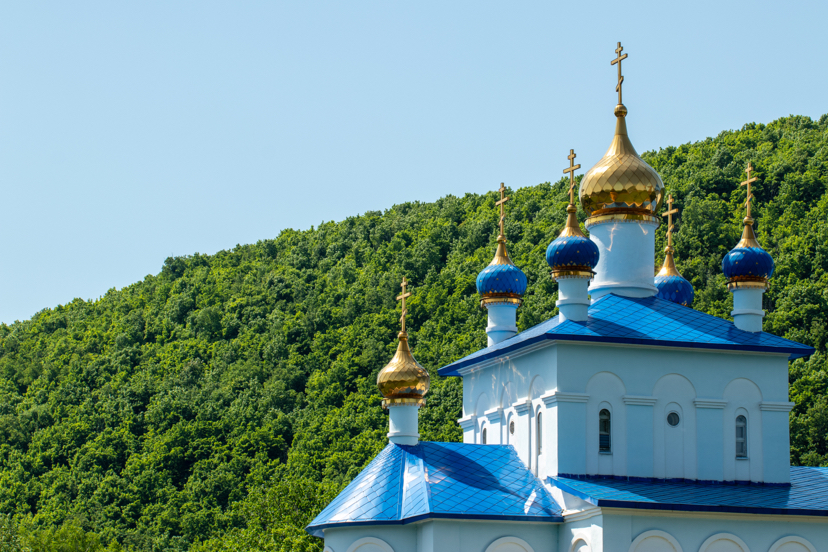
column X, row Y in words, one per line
column 135, row 131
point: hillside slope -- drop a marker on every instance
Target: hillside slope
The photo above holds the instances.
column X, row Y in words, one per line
column 230, row 396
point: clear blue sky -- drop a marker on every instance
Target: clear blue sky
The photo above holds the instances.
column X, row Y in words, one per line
column 132, row 131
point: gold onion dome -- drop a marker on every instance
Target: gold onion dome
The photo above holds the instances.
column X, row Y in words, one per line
column 621, row 185
column 403, row 380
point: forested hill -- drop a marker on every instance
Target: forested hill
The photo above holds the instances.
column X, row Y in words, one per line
column 219, row 404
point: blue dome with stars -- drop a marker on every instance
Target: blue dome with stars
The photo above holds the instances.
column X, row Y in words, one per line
column 501, row 281
column 675, row 288
column 572, row 253
column 747, row 264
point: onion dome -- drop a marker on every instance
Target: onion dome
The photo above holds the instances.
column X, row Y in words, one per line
column 572, row 253
column 403, row 380
column 671, row 285
column 747, row 264
column 501, row 281
column 621, row 184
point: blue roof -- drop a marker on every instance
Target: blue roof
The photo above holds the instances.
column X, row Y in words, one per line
column 404, row 484
column 640, row 321
column 807, row 494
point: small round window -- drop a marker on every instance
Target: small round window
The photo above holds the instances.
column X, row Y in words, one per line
column 673, row 419
column 512, row 427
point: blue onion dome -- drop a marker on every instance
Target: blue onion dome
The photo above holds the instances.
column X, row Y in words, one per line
column 671, row 285
column 572, row 253
column 747, row 265
column 501, row 281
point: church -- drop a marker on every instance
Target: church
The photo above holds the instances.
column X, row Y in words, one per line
column 628, row 422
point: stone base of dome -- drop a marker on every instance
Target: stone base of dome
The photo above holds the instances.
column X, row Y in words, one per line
column 502, row 322
column 573, row 299
column 403, row 420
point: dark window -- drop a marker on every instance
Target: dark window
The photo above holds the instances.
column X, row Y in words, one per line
column 512, row 427
column 741, row 437
column 483, row 436
column 673, row 419
column 540, row 435
column 604, row 431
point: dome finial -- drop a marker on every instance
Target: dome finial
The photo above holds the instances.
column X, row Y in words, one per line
column 501, row 203
column 671, row 285
column 572, row 227
column 620, row 110
column 748, row 237
column 403, row 380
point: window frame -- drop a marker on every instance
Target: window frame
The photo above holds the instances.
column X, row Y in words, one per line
column 741, row 451
column 605, row 432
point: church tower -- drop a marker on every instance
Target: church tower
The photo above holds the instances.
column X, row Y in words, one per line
column 622, row 194
column 671, row 285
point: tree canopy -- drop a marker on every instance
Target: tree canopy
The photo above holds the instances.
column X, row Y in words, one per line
column 219, row 404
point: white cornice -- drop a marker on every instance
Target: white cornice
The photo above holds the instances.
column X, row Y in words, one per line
column 467, row 423
column 522, row 406
column 710, row 403
column 580, row 515
column 494, row 415
column 560, row 396
column 639, row 400
column 483, row 364
column 771, row 406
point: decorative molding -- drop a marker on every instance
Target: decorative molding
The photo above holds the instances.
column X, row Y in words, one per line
column 496, row 545
column 798, row 540
column 488, row 363
column 771, row 406
column 467, row 423
column 379, row 543
column 639, row 400
column 494, row 415
column 559, row 396
column 724, row 536
column 580, row 515
column 658, row 534
column 710, row 403
column 522, row 406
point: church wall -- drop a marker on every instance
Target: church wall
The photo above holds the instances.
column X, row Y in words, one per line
column 709, row 533
column 570, row 384
column 583, row 535
column 446, row 536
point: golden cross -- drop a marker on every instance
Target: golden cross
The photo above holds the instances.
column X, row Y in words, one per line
column 571, row 170
column 503, row 200
column 620, row 76
column 669, row 214
column 402, row 297
column 747, row 183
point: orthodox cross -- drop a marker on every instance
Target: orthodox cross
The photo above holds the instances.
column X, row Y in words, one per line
column 571, row 170
column 669, row 214
column 402, row 297
column 748, row 183
column 500, row 203
column 620, row 76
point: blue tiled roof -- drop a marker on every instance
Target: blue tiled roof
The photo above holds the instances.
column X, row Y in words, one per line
column 640, row 321
column 501, row 278
column 404, row 484
column 807, row 494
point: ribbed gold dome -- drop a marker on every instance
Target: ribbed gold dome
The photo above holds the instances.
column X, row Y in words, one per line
column 403, row 380
column 621, row 184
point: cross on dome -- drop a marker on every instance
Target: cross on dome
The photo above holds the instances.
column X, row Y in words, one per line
column 571, row 170
column 402, row 298
column 747, row 183
column 618, row 60
column 669, row 214
column 503, row 200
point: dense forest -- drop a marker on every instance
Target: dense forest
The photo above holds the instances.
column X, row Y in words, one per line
column 220, row 404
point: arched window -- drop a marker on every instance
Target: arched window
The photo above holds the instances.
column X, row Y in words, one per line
column 604, row 431
column 741, row 437
column 540, row 435
column 483, row 436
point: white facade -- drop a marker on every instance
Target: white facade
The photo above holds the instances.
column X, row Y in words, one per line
column 569, row 384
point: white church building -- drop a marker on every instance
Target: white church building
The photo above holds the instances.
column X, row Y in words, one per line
column 629, row 422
